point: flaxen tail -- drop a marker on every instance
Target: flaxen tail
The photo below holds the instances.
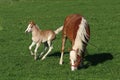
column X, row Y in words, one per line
column 58, row 30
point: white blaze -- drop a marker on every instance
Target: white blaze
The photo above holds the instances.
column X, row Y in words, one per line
column 28, row 28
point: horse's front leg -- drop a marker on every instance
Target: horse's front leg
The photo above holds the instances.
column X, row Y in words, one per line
column 30, row 48
column 35, row 51
column 49, row 50
column 63, row 46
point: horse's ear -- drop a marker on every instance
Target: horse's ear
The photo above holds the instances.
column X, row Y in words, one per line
column 32, row 22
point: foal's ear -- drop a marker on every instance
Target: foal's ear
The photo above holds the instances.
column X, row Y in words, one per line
column 32, row 22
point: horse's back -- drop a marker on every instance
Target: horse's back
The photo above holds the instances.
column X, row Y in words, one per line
column 48, row 34
column 71, row 25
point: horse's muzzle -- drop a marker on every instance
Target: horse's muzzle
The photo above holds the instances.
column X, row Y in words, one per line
column 26, row 31
column 73, row 68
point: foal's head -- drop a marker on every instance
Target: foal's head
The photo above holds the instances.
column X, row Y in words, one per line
column 75, row 59
column 30, row 26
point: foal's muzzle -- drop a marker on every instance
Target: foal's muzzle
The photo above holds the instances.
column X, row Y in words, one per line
column 27, row 30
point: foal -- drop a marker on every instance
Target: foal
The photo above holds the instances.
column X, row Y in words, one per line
column 41, row 36
column 77, row 30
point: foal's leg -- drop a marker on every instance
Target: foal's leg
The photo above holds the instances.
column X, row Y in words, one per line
column 35, row 51
column 62, row 52
column 50, row 48
column 30, row 47
column 45, row 48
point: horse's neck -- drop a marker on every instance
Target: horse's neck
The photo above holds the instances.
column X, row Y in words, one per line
column 36, row 31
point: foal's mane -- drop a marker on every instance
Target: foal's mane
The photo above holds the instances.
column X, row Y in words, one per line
column 35, row 25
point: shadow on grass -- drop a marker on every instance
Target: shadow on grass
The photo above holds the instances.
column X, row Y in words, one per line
column 95, row 59
column 98, row 58
column 57, row 54
column 92, row 60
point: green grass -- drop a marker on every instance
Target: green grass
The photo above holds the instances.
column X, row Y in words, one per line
column 15, row 60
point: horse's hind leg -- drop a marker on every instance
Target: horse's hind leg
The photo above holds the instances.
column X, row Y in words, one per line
column 45, row 48
column 30, row 47
column 50, row 48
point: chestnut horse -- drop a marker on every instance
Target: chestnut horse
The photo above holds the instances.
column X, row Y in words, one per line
column 77, row 30
column 41, row 36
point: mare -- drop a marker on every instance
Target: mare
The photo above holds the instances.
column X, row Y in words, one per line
column 77, row 30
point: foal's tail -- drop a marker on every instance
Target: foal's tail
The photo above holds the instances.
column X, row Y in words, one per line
column 58, row 30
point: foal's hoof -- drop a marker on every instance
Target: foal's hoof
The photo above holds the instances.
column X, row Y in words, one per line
column 35, row 58
column 43, row 58
column 32, row 54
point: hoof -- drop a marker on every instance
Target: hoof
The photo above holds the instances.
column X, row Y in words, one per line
column 43, row 58
column 35, row 58
column 60, row 63
column 32, row 54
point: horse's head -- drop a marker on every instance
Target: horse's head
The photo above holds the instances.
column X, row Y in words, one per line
column 75, row 59
column 30, row 26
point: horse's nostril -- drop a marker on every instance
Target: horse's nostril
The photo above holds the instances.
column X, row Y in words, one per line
column 73, row 68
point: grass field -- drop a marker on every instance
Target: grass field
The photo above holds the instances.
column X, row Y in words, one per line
column 16, row 63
